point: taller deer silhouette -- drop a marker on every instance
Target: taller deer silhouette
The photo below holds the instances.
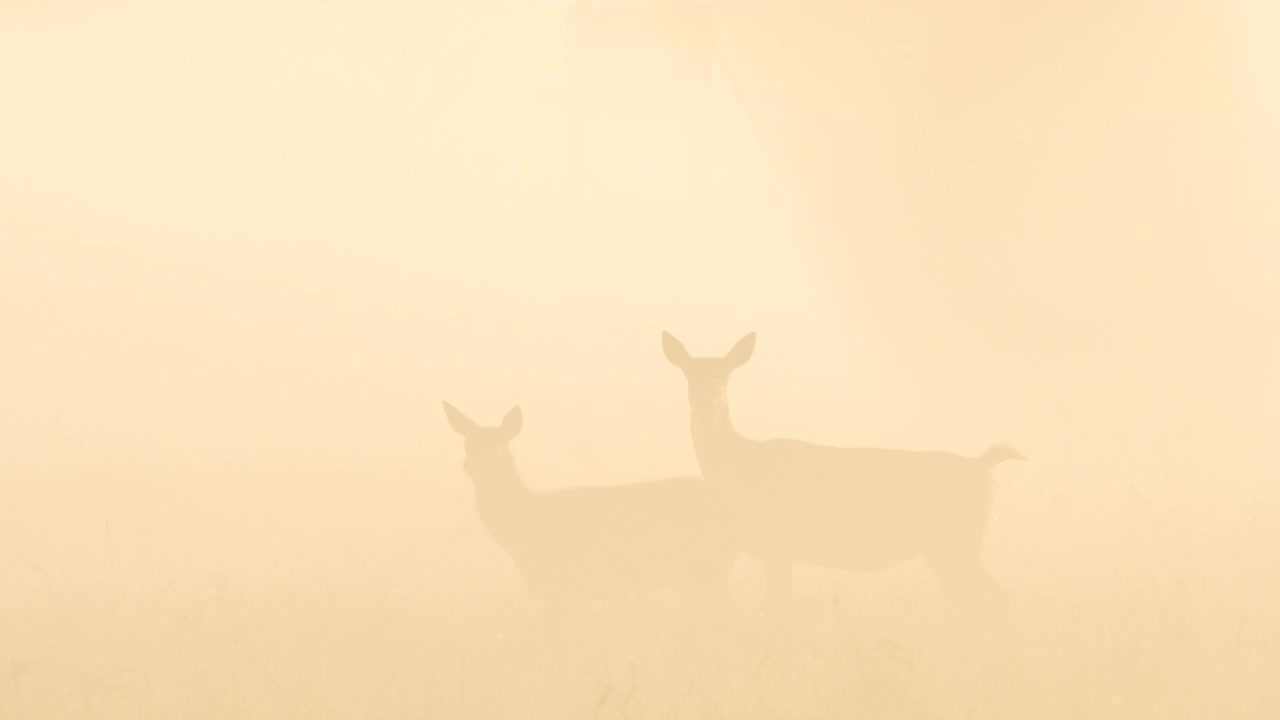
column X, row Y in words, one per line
column 857, row 509
column 582, row 547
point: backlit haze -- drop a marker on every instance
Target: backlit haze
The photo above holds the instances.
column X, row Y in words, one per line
column 246, row 250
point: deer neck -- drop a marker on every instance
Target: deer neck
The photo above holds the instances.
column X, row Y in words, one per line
column 713, row 432
column 501, row 496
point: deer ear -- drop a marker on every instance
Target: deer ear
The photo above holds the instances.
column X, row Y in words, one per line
column 460, row 423
column 741, row 352
column 512, row 423
column 674, row 350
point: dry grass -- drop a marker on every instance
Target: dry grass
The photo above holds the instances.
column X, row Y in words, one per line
column 1141, row 621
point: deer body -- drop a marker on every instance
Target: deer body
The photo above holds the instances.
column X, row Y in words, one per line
column 580, row 547
column 857, row 509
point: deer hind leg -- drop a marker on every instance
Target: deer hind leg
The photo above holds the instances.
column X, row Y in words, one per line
column 966, row 581
column 982, row 602
column 954, row 551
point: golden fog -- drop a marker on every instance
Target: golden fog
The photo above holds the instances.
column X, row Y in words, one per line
column 247, row 250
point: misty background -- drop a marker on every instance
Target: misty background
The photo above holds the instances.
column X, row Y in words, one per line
column 247, row 248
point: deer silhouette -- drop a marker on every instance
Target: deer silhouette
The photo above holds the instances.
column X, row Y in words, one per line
column 856, row 509
column 580, row 548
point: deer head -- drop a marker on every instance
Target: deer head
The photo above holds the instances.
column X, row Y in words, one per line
column 708, row 377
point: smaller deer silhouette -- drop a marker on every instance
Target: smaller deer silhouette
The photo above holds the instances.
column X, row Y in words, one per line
column 583, row 547
column 855, row 509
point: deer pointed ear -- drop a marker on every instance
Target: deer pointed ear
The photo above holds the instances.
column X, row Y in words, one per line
column 512, row 423
column 741, row 352
column 460, row 423
column 674, row 350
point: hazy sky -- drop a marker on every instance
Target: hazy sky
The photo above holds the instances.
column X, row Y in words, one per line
column 278, row 234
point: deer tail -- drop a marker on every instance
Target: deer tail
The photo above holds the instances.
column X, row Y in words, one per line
column 997, row 454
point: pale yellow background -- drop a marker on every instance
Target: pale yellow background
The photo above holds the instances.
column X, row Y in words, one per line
column 247, row 248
